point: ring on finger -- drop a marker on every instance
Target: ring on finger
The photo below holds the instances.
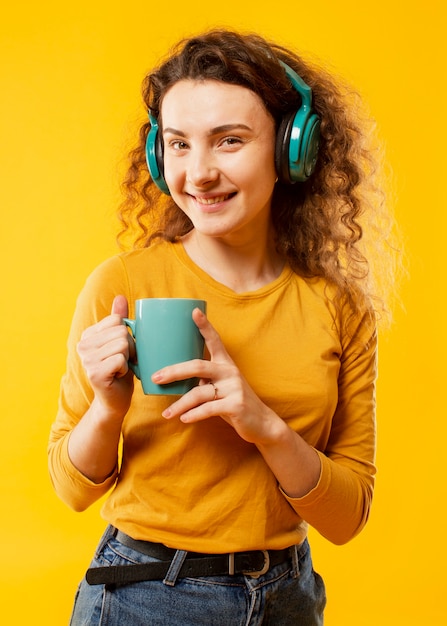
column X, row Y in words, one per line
column 214, row 390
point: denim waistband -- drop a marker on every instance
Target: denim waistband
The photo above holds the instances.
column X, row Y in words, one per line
column 252, row 563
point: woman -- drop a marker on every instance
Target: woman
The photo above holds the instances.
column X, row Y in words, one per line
column 212, row 496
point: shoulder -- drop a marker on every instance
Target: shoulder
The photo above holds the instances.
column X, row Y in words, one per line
column 133, row 274
column 118, row 268
column 352, row 318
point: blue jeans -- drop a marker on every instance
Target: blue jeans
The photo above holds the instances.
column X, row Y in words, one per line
column 289, row 593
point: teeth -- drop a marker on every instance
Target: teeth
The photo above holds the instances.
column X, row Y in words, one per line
column 212, row 200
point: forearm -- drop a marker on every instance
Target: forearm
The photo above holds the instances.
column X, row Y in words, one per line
column 295, row 464
column 93, row 443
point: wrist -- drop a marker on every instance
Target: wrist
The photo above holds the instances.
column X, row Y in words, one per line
column 273, row 432
column 294, row 462
column 106, row 417
column 94, row 441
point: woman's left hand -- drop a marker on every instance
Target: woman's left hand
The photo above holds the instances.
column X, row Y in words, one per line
column 222, row 391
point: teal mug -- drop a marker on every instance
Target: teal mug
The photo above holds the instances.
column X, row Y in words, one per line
column 165, row 334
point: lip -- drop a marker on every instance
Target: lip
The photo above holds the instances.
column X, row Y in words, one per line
column 212, row 201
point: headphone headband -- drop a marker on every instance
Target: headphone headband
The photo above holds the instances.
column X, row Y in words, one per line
column 299, row 85
column 298, row 137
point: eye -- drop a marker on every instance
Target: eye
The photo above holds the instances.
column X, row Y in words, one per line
column 230, row 142
column 177, row 145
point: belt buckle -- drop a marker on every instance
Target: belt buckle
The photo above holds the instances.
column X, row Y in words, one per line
column 264, row 569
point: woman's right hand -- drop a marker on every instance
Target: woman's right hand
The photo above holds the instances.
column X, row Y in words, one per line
column 105, row 349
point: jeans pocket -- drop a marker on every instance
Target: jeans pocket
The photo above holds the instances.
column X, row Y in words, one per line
column 115, row 553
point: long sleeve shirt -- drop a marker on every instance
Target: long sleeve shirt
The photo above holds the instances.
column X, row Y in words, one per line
column 199, row 486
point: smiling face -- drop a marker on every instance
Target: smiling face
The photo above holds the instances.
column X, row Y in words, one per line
column 219, row 157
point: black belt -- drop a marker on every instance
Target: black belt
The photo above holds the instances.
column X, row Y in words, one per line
column 254, row 563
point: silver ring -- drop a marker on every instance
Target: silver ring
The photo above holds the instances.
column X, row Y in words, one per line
column 215, row 390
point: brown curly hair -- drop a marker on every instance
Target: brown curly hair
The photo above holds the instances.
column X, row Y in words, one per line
column 320, row 224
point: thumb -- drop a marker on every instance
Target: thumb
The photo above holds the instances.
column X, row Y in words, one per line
column 120, row 306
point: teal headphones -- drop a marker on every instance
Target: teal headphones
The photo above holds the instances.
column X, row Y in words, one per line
column 297, row 140
column 154, row 156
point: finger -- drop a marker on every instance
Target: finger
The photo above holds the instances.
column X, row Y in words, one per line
column 92, row 350
column 209, row 333
column 120, row 306
column 197, row 368
column 197, row 404
column 103, row 373
column 103, row 333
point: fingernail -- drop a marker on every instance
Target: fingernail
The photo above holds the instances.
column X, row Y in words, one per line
column 166, row 413
column 157, row 377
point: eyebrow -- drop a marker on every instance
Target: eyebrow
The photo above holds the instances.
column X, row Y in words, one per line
column 224, row 128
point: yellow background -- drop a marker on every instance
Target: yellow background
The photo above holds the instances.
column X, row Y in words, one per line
column 70, row 81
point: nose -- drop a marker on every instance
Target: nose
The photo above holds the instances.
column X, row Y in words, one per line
column 202, row 169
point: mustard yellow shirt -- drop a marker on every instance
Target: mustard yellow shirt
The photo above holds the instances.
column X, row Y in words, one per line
column 200, row 487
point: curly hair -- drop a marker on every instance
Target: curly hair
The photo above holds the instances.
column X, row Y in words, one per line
column 320, row 225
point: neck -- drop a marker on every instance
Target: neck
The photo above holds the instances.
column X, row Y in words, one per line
column 243, row 267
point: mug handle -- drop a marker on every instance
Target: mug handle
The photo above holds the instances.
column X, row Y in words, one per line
column 132, row 325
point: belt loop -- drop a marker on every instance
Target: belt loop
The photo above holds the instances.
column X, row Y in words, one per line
column 231, row 564
column 295, row 561
column 175, row 567
column 108, row 534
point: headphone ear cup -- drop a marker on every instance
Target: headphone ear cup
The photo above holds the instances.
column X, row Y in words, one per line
column 154, row 156
column 297, row 144
column 282, row 148
column 304, row 145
